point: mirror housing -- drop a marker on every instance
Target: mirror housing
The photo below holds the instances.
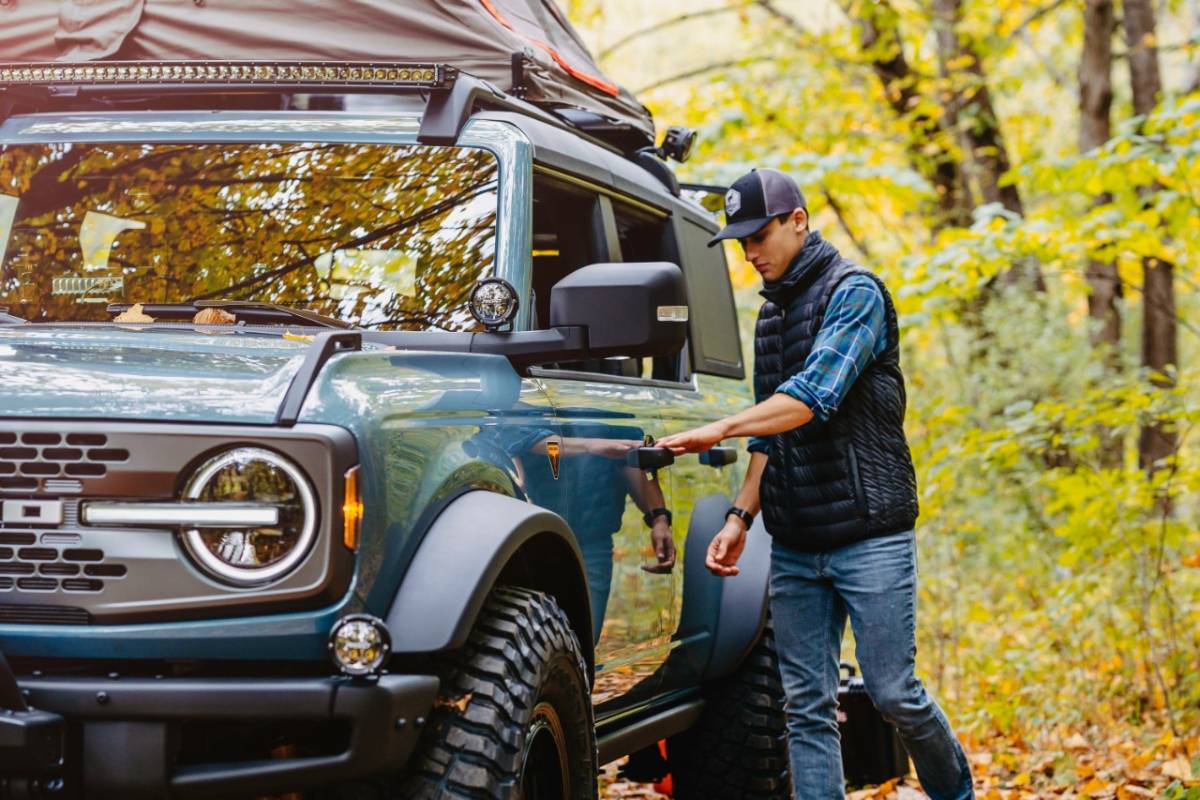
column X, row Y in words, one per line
column 636, row 309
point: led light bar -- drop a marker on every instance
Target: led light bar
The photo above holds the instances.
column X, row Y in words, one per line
column 195, row 515
column 314, row 74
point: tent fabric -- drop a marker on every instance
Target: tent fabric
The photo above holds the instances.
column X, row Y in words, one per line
column 476, row 36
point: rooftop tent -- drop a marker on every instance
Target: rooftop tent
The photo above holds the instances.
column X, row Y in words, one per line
column 476, row 36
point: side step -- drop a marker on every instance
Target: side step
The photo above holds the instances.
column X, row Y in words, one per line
column 645, row 732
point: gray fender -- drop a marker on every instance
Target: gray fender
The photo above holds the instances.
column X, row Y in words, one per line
column 467, row 548
column 733, row 609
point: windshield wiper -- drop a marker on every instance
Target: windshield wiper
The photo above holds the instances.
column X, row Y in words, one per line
column 245, row 311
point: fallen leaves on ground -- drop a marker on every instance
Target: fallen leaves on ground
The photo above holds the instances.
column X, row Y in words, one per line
column 1136, row 763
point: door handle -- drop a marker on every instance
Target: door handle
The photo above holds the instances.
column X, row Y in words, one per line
column 650, row 458
column 719, row 456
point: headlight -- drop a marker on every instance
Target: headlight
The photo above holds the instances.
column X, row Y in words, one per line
column 252, row 555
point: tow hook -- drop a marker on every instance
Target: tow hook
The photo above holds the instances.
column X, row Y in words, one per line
column 31, row 745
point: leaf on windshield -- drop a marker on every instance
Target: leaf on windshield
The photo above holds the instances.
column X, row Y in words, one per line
column 213, row 316
column 134, row 313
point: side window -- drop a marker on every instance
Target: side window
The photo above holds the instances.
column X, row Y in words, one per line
column 715, row 339
column 646, row 236
column 566, row 236
column 572, row 228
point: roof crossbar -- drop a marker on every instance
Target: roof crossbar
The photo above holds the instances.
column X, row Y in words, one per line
column 449, row 109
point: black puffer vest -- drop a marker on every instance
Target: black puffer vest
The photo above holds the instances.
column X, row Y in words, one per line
column 829, row 484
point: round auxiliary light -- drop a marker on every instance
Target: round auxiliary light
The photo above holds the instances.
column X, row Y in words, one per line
column 493, row 303
column 359, row 644
column 257, row 552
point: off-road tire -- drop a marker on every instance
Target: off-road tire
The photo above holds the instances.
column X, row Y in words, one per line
column 522, row 655
column 738, row 749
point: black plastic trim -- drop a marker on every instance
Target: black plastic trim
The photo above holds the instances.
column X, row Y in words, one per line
column 459, row 561
column 384, row 714
column 633, row 736
column 719, row 456
column 324, row 346
column 10, row 693
column 522, row 348
column 742, row 613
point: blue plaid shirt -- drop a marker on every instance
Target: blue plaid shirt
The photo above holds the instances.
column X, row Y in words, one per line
column 853, row 333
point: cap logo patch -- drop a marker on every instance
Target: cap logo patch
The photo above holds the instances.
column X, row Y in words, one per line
column 733, row 202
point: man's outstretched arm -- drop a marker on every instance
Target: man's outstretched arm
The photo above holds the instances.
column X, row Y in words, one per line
column 853, row 333
column 779, row 412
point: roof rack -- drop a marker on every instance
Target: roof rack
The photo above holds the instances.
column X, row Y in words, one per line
column 453, row 95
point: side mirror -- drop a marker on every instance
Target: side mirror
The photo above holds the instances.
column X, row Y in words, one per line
column 637, row 309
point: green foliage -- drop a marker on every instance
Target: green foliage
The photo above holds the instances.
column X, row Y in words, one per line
column 1060, row 580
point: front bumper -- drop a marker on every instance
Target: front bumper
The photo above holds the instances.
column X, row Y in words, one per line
column 123, row 733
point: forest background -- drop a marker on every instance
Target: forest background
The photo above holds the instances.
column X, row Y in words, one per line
column 1026, row 177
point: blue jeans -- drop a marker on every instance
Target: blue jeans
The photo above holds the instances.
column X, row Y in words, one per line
column 874, row 582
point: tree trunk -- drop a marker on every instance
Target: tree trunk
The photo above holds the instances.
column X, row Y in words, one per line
column 972, row 106
column 1095, row 128
column 928, row 143
column 969, row 104
column 1159, row 326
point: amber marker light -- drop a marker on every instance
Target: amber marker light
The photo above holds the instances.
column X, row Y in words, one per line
column 352, row 511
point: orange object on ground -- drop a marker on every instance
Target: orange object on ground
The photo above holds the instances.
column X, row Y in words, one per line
column 666, row 785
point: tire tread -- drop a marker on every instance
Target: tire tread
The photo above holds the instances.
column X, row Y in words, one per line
column 471, row 750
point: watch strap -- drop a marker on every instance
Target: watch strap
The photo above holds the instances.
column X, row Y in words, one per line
column 742, row 514
column 654, row 514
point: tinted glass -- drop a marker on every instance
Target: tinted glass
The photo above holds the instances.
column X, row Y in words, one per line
column 383, row 236
column 716, row 345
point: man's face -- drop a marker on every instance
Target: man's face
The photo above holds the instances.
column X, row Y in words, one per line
column 774, row 245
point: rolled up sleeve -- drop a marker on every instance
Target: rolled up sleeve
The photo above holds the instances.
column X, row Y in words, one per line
column 853, row 333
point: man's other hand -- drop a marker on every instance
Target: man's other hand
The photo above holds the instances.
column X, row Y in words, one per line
column 726, row 548
column 664, row 548
column 696, row 440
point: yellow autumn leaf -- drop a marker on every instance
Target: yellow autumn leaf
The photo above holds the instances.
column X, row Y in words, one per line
column 1179, row 768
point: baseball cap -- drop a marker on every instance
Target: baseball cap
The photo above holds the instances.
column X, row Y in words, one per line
column 754, row 199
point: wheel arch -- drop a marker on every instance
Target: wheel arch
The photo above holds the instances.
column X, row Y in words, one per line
column 480, row 540
column 733, row 611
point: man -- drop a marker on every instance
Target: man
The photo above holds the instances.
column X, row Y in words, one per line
column 831, row 465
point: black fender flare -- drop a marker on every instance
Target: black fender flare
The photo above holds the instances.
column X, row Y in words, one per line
column 734, row 609
column 468, row 546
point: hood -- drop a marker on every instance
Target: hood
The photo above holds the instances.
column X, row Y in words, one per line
column 112, row 373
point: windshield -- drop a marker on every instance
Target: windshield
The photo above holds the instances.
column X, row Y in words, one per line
column 383, row 236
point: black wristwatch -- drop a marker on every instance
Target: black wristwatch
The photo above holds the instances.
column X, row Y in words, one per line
column 654, row 514
column 742, row 514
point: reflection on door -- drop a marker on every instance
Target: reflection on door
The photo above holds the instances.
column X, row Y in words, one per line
column 632, row 591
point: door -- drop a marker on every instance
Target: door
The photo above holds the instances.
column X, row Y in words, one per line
column 605, row 410
column 603, row 420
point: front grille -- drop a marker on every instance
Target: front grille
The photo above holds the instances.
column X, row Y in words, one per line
column 38, row 460
column 43, row 615
column 133, row 574
column 45, row 562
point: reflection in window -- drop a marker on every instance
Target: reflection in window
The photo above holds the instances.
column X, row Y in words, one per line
column 8, row 214
column 385, row 236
